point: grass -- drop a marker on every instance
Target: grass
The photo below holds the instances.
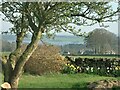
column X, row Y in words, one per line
column 60, row 80
column 94, row 56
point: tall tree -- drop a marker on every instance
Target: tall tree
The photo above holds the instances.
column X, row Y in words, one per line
column 47, row 17
column 101, row 41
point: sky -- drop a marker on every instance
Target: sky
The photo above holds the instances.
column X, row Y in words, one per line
column 113, row 26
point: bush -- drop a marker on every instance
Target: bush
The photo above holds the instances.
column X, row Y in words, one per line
column 70, row 69
column 45, row 59
column 100, row 66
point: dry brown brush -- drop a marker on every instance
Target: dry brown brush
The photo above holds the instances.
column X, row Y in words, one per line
column 45, row 59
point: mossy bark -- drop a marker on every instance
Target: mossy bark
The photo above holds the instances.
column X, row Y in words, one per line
column 13, row 73
column 9, row 63
column 23, row 58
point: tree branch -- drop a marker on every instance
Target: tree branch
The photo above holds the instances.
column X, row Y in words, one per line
column 96, row 19
column 32, row 25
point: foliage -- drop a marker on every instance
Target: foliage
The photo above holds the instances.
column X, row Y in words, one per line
column 74, row 49
column 70, row 69
column 56, row 16
column 45, row 59
column 102, row 41
column 103, row 67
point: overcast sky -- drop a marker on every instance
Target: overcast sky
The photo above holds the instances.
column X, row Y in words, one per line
column 113, row 26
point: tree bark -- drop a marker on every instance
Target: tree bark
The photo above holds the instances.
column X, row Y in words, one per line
column 23, row 58
column 15, row 55
column 5, row 68
column 9, row 64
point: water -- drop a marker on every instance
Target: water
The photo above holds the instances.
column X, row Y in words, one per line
column 58, row 40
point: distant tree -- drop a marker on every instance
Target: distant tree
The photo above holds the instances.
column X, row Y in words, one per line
column 47, row 17
column 74, row 49
column 101, row 40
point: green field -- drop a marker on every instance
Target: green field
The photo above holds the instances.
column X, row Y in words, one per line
column 60, row 80
column 94, row 56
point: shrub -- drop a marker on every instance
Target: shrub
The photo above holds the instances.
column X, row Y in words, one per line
column 100, row 66
column 45, row 59
column 70, row 69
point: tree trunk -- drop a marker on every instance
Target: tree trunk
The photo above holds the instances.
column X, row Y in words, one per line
column 14, row 85
column 9, row 63
column 15, row 55
column 23, row 58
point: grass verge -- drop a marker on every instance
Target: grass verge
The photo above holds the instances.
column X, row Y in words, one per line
column 60, row 80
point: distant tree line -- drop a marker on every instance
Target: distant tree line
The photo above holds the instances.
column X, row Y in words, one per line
column 7, row 46
column 73, row 49
column 102, row 41
column 98, row 41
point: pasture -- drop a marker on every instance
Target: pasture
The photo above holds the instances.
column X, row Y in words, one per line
column 95, row 56
column 60, row 80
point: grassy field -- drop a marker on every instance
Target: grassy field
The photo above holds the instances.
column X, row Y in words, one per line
column 94, row 56
column 7, row 53
column 60, row 80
